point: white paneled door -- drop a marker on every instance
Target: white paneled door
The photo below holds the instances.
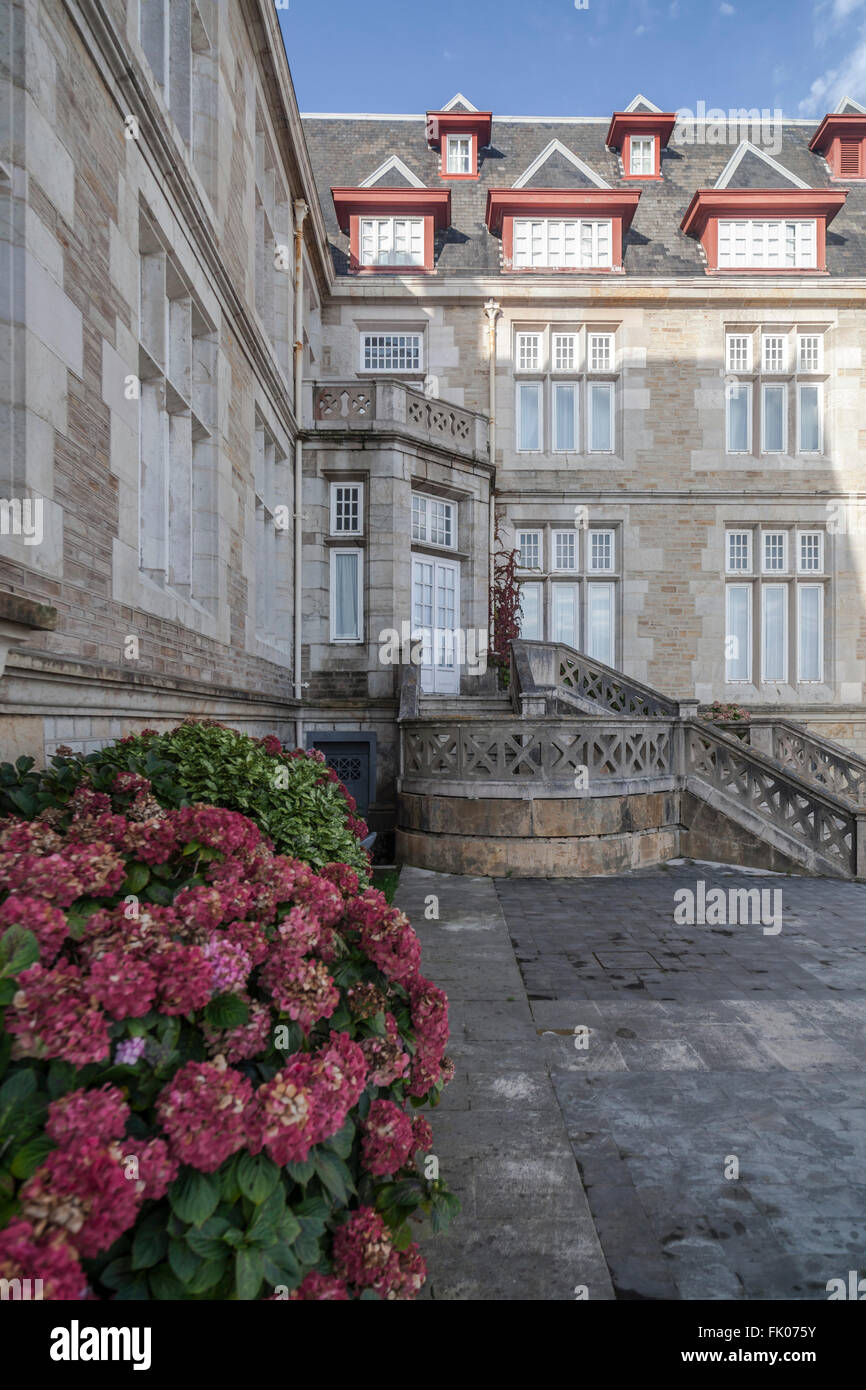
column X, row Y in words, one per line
column 435, row 621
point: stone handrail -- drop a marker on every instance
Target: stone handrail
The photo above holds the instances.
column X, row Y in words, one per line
column 775, row 802
column 388, row 404
column 818, row 760
column 549, row 677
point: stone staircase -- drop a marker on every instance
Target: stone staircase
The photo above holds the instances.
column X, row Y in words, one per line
column 581, row 770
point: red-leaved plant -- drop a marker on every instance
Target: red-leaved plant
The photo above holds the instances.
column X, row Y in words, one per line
column 504, row 607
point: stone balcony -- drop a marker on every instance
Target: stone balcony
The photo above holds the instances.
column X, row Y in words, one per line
column 384, row 406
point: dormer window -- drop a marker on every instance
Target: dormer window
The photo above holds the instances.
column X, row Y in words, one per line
column 763, row 245
column 639, row 134
column 641, row 155
column 560, row 229
column 841, row 139
column 458, row 154
column 554, row 244
column 459, row 131
column 748, row 230
column 391, row 230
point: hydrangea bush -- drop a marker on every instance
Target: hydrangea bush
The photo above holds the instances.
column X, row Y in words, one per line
column 292, row 795
column 211, row 1057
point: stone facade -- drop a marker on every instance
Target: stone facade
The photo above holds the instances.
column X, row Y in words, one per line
column 157, row 181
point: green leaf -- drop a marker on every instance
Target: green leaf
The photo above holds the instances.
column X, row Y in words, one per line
column 116, row 1273
column 301, row 1172
column 19, row 1086
column 18, row 949
column 279, row 1265
column 257, row 1176
column 164, row 1285
column 194, row 1195
column 150, row 1242
column 137, row 878
column 61, row 1078
column 288, row 1227
column 263, row 1229
column 248, row 1273
column 341, row 1142
column 335, row 1176
column 208, row 1273
column 226, row 1011
column 28, row 1158
column 184, row 1261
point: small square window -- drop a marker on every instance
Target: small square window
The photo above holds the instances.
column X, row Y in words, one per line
column 600, row 352
column 600, row 560
column 774, row 352
column 810, row 552
column 528, row 352
column 738, row 556
column 565, row 550
column 809, row 345
column 739, row 352
column 529, row 548
column 774, row 553
column 564, row 352
column 347, row 509
column 391, row 352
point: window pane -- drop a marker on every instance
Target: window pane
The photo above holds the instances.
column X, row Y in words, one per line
column 739, row 555
column 564, row 417
column 419, row 518
column 346, row 595
column 600, row 424
column 810, row 553
column 565, row 614
column 775, row 410
column 810, row 431
column 528, row 545
column 530, row 612
column 564, row 352
column 565, row 550
column 775, row 550
column 811, row 599
column 600, row 551
column 599, row 622
column 774, row 599
column 739, row 400
column 529, row 416
column 392, row 352
column 528, row 352
column 738, row 632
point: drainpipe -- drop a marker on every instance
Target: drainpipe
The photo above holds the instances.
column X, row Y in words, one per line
column 492, row 311
column 301, row 211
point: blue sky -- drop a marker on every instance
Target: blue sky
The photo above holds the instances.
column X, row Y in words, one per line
column 546, row 57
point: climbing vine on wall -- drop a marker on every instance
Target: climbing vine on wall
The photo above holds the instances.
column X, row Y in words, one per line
column 504, row 605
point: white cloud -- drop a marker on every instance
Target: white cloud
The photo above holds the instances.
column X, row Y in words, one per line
column 726, row 9
column 848, row 79
column 843, row 8
column 641, row 29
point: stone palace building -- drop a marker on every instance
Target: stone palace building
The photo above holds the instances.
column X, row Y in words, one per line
column 271, row 381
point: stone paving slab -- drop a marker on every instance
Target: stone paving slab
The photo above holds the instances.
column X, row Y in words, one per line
column 525, row 1231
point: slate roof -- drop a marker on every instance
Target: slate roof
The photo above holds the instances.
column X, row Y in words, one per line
column 346, row 150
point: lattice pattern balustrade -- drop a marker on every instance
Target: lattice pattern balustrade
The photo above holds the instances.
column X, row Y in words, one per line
column 345, row 403
column 816, row 762
column 439, row 419
column 582, row 677
column 747, row 784
column 523, row 752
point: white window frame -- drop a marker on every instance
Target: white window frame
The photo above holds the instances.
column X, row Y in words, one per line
column 768, row 365
column 378, row 223
column 609, row 386
column 817, row 386
column 782, row 387
column 539, row 549
column 599, row 352
column 392, row 337
column 639, row 145
column 747, row 678
column 574, row 388
column 738, row 531
column 427, row 499
column 454, row 162
column 574, row 591
column 783, row 678
column 571, row 536
column 528, row 352
column 601, row 250
column 520, row 388
column 572, row 364
column 587, row 625
column 819, row 679
column 819, row 536
column 591, row 566
column 818, row 339
column 774, row 569
column 334, row 552
column 738, row 352
column 358, row 488
column 756, row 250
column 745, row 388
column 535, row 584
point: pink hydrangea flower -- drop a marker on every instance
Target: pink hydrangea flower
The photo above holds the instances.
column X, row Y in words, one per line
column 82, row 1189
column 47, row 923
column 124, row 983
column 229, row 963
column 248, row 1040
column 156, row 1168
column 185, row 978
column 387, row 1060
column 389, row 1143
column 300, row 987
column 321, row 1287
column 284, row 1119
column 49, row 1258
column 202, row 1110
column 53, row 1015
column 100, row 1114
column 362, row 1248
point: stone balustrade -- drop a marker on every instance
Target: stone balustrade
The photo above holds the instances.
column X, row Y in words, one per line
column 386, row 404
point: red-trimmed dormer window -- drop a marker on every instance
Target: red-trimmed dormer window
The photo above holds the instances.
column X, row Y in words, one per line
column 639, row 136
column 392, row 231
column 560, row 229
column 459, row 134
column 841, row 139
column 772, row 231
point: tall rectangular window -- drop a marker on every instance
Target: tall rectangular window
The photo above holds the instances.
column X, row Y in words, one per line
column 564, row 615
column 529, row 416
column 774, row 418
column 641, row 154
column 601, row 399
column 809, row 419
column 529, row 546
column 738, row 632
column 565, row 550
column 392, row 241
column 347, row 509
column 774, row 632
column 565, row 421
column 347, row 613
column 810, row 626
column 554, row 243
column 459, row 154
column 272, row 482
column 531, row 615
column 600, row 622
column 739, row 419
